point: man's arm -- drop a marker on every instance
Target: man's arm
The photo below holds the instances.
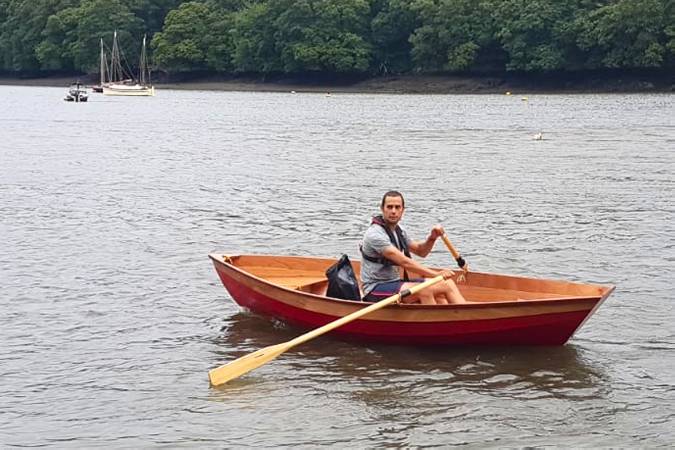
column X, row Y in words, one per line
column 397, row 257
column 423, row 248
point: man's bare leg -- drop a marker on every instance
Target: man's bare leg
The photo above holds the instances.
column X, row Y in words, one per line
column 439, row 294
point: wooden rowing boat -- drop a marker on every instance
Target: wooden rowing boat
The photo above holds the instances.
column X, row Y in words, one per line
column 505, row 310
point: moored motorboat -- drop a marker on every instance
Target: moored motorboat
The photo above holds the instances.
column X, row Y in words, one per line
column 504, row 310
column 76, row 93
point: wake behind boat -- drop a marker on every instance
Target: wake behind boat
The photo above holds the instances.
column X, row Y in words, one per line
column 505, row 310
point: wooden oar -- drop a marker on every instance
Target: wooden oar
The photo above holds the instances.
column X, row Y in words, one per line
column 455, row 254
column 245, row 364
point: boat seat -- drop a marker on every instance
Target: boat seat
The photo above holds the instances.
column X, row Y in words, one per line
column 297, row 283
column 319, row 287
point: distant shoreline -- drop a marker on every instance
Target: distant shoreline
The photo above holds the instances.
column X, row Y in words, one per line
column 403, row 84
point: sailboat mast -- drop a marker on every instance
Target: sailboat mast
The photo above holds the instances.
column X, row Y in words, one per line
column 102, row 64
column 116, row 73
column 143, row 64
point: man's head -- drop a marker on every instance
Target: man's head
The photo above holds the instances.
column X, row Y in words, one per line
column 392, row 207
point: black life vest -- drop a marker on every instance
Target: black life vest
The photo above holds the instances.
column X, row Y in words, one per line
column 397, row 240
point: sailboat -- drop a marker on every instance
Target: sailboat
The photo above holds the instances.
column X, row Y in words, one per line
column 120, row 83
column 103, row 70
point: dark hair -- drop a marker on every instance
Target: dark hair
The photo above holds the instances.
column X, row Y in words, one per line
column 392, row 194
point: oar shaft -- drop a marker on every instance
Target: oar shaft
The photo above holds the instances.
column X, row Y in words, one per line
column 455, row 254
column 362, row 312
column 256, row 359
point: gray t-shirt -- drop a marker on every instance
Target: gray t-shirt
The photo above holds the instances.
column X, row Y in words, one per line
column 374, row 242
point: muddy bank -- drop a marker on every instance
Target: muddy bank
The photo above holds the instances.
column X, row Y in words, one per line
column 403, row 84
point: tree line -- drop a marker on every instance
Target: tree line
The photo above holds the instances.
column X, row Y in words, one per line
column 368, row 37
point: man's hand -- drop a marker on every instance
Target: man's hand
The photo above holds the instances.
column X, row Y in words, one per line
column 447, row 274
column 436, row 232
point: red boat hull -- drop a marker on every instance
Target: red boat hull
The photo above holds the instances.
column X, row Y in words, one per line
column 504, row 323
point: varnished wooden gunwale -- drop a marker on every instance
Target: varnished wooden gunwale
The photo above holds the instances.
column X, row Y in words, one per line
column 262, row 274
column 280, row 267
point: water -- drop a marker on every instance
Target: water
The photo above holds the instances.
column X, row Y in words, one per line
column 113, row 314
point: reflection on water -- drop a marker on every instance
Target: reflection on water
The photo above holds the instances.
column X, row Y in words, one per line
column 422, row 394
column 513, row 372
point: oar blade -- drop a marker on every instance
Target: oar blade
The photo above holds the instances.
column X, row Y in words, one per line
column 238, row 367
column 245, row 364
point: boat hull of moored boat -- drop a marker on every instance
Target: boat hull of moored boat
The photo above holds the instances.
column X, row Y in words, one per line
column 129, row 90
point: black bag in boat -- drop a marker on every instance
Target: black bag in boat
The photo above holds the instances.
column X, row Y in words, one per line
column 342, row 280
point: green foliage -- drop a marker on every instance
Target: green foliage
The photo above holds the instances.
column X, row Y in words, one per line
column 4, row 10
column 391, row 27
column 452, row 34
column 231, row 5
column 462, row 56
column 71, row 37
column 99, row 19
column 254, row 43
column 342, row 36
column 532, row 32
column 218, row 41
column 180, row 44
column 303, row 35
column 670, row 45
column 151, row 12
column 55, row 52
column 627, row 34
column 21, row 31
column 324, row 35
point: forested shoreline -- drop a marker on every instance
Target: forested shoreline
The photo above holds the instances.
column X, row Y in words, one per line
column 342, row 39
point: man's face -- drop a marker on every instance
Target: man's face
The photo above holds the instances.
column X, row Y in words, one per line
column 392, row 211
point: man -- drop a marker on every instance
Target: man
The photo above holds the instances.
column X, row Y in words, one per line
column 386, row 250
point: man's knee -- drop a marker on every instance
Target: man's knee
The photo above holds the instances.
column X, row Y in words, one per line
column 448, row 286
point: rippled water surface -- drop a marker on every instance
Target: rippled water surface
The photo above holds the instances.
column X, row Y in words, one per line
column 112, row 313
